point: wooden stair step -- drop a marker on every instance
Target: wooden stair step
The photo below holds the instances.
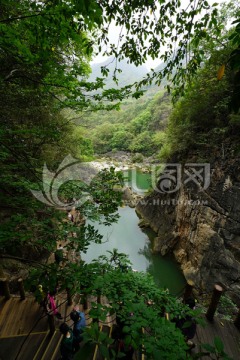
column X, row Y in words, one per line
column 42, row 348
column 18, row 317
column 51, row 347
column 22, row 346
column 56, row 353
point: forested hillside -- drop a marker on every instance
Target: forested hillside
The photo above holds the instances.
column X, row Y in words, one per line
column 204, row 116
column 138, row 126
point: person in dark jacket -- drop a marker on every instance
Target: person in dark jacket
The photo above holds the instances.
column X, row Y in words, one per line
column 187, row 324
column 79, row 320
column 67, row 343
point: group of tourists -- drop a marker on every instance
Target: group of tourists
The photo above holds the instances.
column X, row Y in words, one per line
column 72, row 334
column 72, row 337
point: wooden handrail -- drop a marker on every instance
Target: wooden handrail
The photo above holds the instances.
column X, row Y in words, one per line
column 96, row 347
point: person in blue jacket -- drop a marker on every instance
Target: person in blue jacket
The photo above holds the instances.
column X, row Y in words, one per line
column 79, row 320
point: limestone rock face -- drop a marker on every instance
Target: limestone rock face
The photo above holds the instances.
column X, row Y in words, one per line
column 201, row 227
column 129, row 197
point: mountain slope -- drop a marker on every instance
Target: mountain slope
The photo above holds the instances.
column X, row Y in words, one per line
column 128, row 75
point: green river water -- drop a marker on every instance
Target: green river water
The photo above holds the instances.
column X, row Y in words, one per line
column 128, row 238
column 139, row 182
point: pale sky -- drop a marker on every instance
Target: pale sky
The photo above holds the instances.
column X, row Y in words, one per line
column 113, row 37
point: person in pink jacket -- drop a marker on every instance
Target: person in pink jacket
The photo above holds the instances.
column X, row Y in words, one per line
column 51, row 305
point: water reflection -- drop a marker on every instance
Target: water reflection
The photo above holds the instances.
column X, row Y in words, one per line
column 164, row 270
column 127, row 237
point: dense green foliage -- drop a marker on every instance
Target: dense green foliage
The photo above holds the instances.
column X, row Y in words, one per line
column 130, row 292
column 137, row 127
column 32, row 132
column 127, row 292
column 167, row 27
column 40, row 76
column 204, row 116
column 45, row 51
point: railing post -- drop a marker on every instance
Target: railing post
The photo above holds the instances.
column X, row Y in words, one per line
column 21, row 289
column 85, row 302
column 96, row 320
column 5, row 287
column 69, row 297
column 188, row 290
column 84, row 298
column 51, row 323
column 217, row 292
column 237, row 320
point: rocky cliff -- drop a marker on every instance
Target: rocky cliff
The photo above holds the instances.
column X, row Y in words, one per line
column 200, row 224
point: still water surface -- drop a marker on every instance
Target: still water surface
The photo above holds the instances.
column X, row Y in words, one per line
column 139, row 182
column 127, row 237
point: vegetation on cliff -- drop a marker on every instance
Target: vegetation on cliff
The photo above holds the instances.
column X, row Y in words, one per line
column 208, row 112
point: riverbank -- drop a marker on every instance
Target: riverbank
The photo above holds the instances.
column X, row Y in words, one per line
column 122, row 160
column 137, row 176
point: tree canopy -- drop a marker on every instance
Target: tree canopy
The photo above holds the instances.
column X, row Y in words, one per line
column 57, row 38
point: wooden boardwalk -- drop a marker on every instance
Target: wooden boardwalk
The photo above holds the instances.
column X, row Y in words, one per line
column 24, row 333
column 18, row 317
column 223, row 329
column 24, row 329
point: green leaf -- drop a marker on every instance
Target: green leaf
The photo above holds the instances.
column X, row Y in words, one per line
column 209, row 348
column 218, row 344
column 104, row 351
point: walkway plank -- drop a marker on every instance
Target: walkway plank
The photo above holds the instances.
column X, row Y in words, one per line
column 6, row 315
column 18, row 317
column 9, row 347
column 42, row 347
column 223, row 329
